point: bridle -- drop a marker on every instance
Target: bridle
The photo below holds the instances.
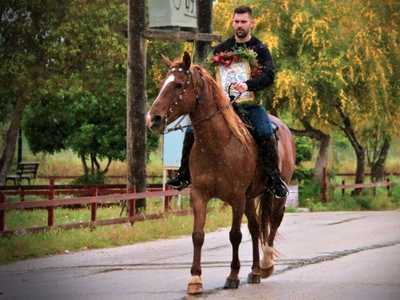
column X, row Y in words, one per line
column 199, row 99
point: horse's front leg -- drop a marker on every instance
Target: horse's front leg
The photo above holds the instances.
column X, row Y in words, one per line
column 250, row 212
column 235, row 236
column 195, row 285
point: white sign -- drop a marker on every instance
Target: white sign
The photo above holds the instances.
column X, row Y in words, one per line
column 172, row 13
column 172, row 147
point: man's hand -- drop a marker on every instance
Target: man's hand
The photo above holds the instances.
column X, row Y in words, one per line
column 241, row 87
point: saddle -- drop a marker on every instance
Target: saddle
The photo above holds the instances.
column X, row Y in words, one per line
column 244, row 116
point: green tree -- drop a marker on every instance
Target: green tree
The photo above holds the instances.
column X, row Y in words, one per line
column 26, row 65
column 94, row 129
column 49, row 49
column 335, row 66
column 75, row 89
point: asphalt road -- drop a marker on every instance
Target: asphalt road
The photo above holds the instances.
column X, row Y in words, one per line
column 333, row 255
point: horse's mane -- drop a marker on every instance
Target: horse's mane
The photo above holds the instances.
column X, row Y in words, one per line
column 233, row 121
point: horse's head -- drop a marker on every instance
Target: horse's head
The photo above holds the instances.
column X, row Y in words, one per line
column 177, row 95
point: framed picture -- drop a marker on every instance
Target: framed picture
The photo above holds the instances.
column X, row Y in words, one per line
column 235, row 72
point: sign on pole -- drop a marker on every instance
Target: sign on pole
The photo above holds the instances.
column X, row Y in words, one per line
column 172, row 146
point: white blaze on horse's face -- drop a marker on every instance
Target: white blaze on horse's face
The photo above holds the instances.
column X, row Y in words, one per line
column 149, row 117
column 171, row 78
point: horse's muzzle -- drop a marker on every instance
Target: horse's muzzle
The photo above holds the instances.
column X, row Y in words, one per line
column 155, row 123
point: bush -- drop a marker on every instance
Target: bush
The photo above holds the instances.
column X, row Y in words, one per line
column 304, row 149
column 310, row 197
column 303, row 175
column 309, row 193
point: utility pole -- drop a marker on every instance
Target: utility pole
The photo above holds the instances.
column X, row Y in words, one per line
column 136, row 100
column 204, row 24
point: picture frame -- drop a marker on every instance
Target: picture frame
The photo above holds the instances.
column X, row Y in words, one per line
column 237, row 71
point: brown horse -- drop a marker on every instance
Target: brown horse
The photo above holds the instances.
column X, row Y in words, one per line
column 223, row 164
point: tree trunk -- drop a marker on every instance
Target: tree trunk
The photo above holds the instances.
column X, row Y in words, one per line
column 96, row 164
column 84, row 164
column 325, row 139
column 105, row 171
column 322, row 159
column 91, row 164
column 347, row 128
column 360, row 171
column 11, row 140
column 378, row 166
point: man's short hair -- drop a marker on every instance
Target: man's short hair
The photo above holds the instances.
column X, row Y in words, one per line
column 243, row 9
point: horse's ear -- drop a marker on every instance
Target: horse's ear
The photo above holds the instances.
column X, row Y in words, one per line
column 166, row 61
column 186, row 61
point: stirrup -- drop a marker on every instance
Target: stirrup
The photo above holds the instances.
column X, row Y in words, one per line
column 178, row 184
column 282, row 186
column 174, row 183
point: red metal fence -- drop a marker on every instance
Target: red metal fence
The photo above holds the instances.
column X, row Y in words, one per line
column 51, row 190
column 96, row 197
column 343, row 186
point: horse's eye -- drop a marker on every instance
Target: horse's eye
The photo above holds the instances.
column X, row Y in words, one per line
column 178, row 86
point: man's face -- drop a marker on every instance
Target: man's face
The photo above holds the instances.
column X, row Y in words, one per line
column 242, row 23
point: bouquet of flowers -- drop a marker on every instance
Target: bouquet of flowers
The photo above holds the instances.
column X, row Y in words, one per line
column 227, row 57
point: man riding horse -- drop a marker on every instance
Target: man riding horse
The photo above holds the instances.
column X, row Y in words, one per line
column 262, row 129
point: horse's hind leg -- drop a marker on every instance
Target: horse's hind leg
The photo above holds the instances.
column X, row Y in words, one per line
column 235, row 236
column 275, row 217
column 250, row 212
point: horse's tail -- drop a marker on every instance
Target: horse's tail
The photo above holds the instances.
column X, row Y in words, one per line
column 264, row 216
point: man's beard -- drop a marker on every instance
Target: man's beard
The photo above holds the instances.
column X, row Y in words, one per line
column 242, row 34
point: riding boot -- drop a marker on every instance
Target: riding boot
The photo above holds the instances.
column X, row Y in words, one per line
column 182, row 180
column 270, row 159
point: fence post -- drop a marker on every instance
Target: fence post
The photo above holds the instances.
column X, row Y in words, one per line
column 51, row 189
column 343, row 189
column 132, row 203
column 50, row 209
column 388, row 188
column 2, row 213
column 21, row 194
column 324, row 186
column 94, row 205
column 167, row 200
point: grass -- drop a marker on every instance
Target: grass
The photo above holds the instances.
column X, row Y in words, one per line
column 24, row 246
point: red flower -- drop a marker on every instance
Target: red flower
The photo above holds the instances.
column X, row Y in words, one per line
column 255, row 72
column 215, row 58
column 235, row 58
column 225, row 62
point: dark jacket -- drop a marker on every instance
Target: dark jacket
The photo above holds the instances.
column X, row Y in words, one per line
column 266, row 78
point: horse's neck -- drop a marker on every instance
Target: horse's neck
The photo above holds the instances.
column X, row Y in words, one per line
column 212, row 128
column 209, row 124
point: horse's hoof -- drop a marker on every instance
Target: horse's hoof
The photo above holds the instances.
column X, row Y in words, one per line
column 265, row 273
column 231, row 283
column 195, row 288
column 253, row 278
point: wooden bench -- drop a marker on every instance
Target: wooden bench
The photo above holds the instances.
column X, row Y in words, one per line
column 26, row 170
